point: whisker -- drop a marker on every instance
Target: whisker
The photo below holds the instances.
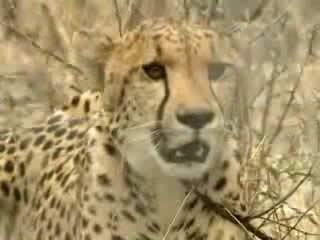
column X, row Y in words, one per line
column 143, row 125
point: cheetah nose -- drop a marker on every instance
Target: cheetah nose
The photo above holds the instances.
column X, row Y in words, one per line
column 195, row 118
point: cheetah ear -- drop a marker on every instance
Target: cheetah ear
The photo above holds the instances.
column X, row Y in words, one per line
column 224, row 49
column 104, row 50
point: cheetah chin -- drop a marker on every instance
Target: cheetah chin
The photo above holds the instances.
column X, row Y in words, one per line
column 190, row 158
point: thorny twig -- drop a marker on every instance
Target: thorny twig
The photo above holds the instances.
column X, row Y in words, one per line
column 41, row 49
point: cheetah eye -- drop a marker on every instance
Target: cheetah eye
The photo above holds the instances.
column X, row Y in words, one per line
column 155, row 71
column 216, row 70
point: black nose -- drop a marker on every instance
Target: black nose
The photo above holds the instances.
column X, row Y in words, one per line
column 195, row 119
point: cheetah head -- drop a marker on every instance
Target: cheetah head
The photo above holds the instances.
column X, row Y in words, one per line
column 158, row 85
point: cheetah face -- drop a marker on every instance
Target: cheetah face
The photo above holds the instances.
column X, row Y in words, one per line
column 176, row 123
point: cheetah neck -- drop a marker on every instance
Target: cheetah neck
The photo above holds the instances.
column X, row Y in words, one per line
column 118, row 187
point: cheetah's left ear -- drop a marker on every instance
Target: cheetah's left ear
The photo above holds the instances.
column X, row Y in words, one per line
column 229, row 53
column 224, row 49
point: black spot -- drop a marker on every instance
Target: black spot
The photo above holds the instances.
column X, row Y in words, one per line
column 11, row 150
column 47, row 145
column 39, row 140
column 243, row 207
column 128, row 215
column 55, row 119
column 49, row 226
column 29, row 157
column 189, row 224
column 75, row 122
column 236, row 197
column 39, row 235
column 153, row 229
column 67, row 236
column 43, row 215
column 12, row 139
column 192, row 204
column 99, row 128
column 56, row 153
column 104, row 180
column 221, row 183
column 17, row 194
column 122, row 95
column 194, row 235
column 87, row 237
column 70, row 148
column 57, row 229
column 46, row 195
column 111, row 150
column 85, row 222
column 52, row 202
column 9, row 166
column 109, row 197
column 2, row 148
column 140, row 208
column 144, row 236
column 156, row 226
column 5, row 188
column 24, row 144
column 72, row 135
column 25, row 196
column 60, row 132
column 75, row 101
column 65, row 179
column 117, row 237
column 52, row 128
column 97, row 228
column 87, row 106
column 225, row 164
column 37, row 129
column 65, row 108
column 62, row 211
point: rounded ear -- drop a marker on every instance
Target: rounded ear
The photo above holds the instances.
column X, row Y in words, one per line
column 104, row 49
column 230, row 64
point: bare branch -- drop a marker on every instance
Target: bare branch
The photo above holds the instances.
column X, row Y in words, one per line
column 42, row 50
column 118, row 16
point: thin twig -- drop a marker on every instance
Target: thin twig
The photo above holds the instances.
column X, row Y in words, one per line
column 286, row 197
column 221, row 211
column 177, row 214
column 118, row 16
column 299, row 220
column 42, row 50
column 275, row 21
column 294, row 228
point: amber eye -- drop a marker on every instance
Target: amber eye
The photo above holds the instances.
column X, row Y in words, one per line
column 155, row 71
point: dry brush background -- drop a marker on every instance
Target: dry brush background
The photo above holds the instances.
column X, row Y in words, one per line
column 47, row 45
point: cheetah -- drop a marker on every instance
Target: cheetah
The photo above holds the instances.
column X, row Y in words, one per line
column 126, row 163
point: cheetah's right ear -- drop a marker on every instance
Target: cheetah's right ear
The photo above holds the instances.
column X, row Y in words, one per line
column 104, row 49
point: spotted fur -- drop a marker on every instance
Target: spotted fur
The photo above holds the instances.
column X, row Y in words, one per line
column 121, row 165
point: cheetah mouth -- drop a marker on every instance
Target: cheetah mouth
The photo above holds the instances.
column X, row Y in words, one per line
column 192, row 152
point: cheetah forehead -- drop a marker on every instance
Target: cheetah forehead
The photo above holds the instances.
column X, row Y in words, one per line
column 152, row 35
column 169, row 37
